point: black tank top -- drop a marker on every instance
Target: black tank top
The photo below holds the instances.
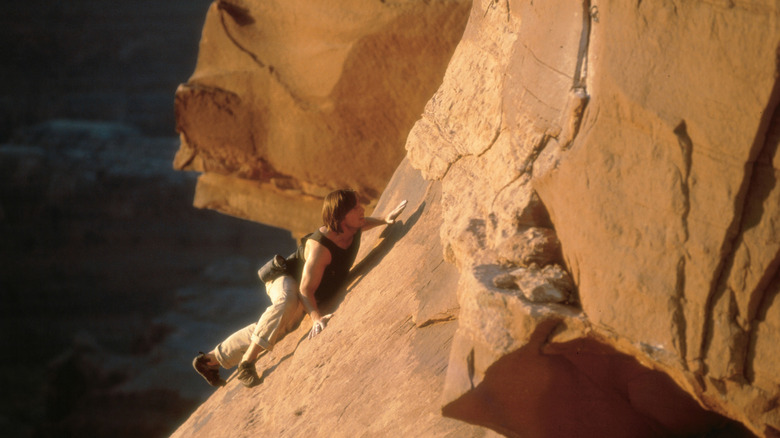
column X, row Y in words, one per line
column 336, row 272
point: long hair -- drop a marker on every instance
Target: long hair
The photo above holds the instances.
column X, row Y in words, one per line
column 336, row 205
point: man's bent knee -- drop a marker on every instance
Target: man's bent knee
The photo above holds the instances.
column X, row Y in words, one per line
column 263, row 343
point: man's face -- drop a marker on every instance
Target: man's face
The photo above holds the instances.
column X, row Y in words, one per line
column 355, row 218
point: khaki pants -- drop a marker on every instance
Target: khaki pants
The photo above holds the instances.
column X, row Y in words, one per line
column 284, row 313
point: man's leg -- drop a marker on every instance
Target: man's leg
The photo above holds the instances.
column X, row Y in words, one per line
column 228, row 354
column 273, row 324
column 244, row 345
column 277, row 319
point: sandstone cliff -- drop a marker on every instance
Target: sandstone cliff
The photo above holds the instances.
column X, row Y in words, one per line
column 602, row 177
column 293, row 99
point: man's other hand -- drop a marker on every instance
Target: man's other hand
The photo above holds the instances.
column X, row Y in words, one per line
column 320, row 325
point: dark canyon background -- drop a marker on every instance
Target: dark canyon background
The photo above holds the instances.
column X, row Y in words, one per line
column 110, row 280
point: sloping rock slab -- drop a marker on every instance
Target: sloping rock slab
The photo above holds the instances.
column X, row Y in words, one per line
column 379, row 367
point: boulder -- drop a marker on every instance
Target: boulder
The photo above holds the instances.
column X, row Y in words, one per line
column 601, row 177
column 379, row 367
column 292, row 99
column 648, row 133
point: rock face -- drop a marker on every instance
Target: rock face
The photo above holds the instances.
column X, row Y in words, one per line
column 647, row 134
column 379, row 366
column 608, row 210
column 291, row 99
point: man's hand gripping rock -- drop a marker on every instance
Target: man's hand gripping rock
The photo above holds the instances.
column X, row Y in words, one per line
column 320, row 325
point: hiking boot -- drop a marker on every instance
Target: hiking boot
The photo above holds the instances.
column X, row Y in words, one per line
column 247, row 374
column 209, row 372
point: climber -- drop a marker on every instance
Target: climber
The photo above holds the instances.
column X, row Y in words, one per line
column 327, row 255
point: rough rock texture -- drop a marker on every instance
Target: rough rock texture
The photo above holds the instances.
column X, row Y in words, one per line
column 644, row 134
column 291, row 99
column 378, row 368
column 607, row 176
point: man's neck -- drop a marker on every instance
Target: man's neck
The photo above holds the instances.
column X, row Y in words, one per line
column 344, row 237
column 348, row 231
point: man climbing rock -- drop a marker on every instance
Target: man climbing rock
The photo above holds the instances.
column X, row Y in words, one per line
column 324, row 260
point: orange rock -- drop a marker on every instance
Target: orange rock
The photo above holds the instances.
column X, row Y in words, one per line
column 290, row 100
column 634, row 144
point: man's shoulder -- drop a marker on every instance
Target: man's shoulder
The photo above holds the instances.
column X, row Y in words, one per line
column 317, row 251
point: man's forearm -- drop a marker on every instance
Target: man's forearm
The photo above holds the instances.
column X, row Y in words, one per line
column 372, row 222
column 310, row 304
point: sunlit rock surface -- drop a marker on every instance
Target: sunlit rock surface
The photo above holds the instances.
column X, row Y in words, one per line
column 379, row 366
column 292, row 99
column 644, row 134
column 602, row 178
